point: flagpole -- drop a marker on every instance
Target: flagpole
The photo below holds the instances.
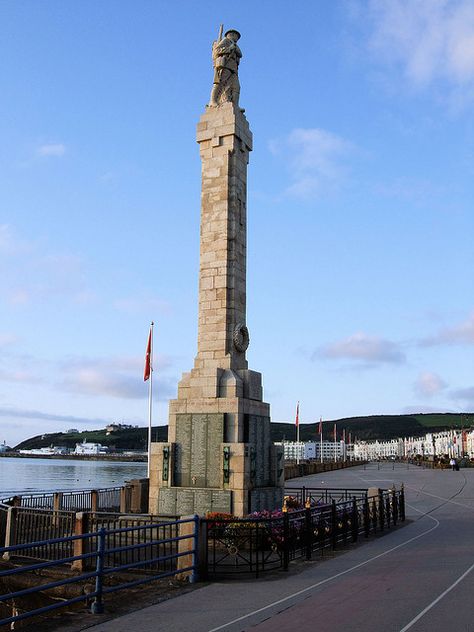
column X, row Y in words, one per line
column 335, row 435
column 150, row 394
column 321, row 434
column 297, row 433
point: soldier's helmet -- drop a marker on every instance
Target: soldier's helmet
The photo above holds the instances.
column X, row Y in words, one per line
column 235, row 33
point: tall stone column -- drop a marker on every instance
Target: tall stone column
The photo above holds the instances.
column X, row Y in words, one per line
column 219, row 455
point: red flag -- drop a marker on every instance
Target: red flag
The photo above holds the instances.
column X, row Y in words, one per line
column 297, row 414
column 148, row 368
column 335, row 432
column 320, row 428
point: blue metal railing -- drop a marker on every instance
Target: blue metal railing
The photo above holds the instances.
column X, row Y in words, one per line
column 157, row 566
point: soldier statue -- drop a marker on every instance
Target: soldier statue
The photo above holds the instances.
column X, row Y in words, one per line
column 226, row 57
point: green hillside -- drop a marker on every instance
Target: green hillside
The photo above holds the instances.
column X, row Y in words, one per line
column 381, row 427
column 124, row 439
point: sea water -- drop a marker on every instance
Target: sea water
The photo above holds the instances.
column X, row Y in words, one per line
column 25, row 475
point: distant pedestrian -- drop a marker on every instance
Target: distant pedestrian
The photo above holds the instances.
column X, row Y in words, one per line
column 452, row 463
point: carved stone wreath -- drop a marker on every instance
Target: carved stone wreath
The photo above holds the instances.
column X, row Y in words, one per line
column 241, row 337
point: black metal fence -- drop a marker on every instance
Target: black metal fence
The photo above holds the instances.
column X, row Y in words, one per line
column 239, row 547
column 324, row 494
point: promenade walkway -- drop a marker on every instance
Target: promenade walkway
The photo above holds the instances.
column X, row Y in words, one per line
column 416, row 578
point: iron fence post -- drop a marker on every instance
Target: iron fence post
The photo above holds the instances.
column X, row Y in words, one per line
column 374, row 514
column 381, row 510
column 387, row 509
column 256, row 548
column 334, row 524
column 366, row 517
column 395, row 506
column 195, row 572
column 286, row 540
column 354, row 520
column 309, row 533
column 98, row 604
column 303, row 495
column 402, row 503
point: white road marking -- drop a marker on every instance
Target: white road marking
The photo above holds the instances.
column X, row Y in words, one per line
column 433, row 603
column 328, row 579
column 453, row 502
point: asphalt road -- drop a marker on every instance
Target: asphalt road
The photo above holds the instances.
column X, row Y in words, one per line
column 418, row 578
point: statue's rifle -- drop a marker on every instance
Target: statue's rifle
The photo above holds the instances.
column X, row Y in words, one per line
column 219, row 37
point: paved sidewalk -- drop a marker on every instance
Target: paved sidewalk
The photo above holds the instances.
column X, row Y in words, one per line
column 381, row 585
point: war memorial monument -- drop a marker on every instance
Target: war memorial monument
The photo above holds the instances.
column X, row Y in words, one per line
column 219, row 455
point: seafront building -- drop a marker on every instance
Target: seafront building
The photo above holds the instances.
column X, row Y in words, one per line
column 453, row 443
column 309, row 450
column 90, row 448
column 46, row 451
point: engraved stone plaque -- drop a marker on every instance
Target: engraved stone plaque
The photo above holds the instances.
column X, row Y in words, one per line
column 221, row 501
column 214, row 450
column 184, row 502
column 167, row 502
column 182, row 473
column 202, row 501
column 199, row 449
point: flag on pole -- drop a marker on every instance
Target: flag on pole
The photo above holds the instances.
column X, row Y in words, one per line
column 148, row 368
column 320, row 427
column 335, row 432
column 297, row 414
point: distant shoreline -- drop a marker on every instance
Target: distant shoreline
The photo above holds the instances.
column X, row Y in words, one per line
column 139, row 458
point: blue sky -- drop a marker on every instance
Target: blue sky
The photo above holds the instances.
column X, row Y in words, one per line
column 361, row 195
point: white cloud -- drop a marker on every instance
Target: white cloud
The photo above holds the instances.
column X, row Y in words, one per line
column 429, row 384
column 51, row 149
column 315, row 158
column 18, row 296
column 7, row 339
column 120, row 377
column 414, row 410
column 366, row 348
column 31, row 273
column 23, row 377
column 466, row 395
column 16, row 413
column 461, row 334
column 430, row 39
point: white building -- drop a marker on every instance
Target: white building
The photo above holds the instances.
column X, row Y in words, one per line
column 47, row 451
column 90, row 448
column 446, row 443
column 374, row 450
column 311, row 450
